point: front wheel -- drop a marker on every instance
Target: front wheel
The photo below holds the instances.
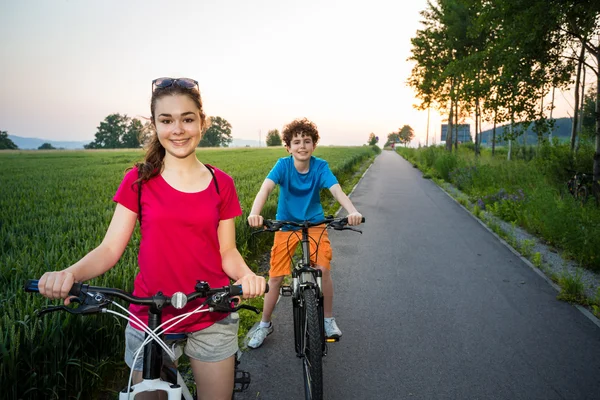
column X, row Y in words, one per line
column 582, row 194
column 313, row 347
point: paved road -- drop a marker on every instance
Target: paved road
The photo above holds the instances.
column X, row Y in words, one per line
column 433, row 306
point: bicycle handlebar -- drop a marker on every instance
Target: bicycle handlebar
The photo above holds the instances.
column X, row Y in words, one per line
column 271, row 225
column 92, row 298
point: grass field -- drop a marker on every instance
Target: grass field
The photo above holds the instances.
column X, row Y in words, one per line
column 55, row 207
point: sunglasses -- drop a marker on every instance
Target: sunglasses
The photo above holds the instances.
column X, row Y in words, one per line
column 186, row 83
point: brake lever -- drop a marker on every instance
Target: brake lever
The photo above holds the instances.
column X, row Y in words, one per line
column 87, row 305
column 351, row 229
column 247, row 307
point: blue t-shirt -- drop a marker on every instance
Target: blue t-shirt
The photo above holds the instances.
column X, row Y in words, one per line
column 299, row 194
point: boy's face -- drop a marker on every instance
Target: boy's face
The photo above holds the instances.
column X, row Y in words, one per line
column 301, row 147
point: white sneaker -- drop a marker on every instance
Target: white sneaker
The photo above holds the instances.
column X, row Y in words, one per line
column 331, row 329
column 259, row 335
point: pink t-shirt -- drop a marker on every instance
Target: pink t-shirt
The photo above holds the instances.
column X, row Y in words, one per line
column 179, row 242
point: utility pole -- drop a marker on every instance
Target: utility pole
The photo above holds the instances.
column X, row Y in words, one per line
column 259, row 137
column 427, row 135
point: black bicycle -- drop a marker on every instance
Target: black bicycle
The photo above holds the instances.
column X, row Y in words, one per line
column 307, row 301
column 156, row 374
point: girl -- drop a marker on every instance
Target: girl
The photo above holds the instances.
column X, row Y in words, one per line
column 186, row 211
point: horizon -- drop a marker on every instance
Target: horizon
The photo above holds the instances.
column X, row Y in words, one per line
column 342, row 65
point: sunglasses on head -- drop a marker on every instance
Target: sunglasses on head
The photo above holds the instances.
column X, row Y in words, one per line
column 186, row 83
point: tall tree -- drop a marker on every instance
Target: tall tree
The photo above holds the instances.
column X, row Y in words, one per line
column 132, row 138
column 273, row 138
column 218, row 133
column 46, row 146
column 406, row 135
column 372, row 139
column 6, row 143
column 110, row 132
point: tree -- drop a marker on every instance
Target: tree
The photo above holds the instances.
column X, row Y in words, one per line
column 132, row 138
column 273, row 138
column 406, row 135
column 218, row 134
column 392, row 138
column 6, row 143
column 46, row 146
column 372, row 139
column 110, row 132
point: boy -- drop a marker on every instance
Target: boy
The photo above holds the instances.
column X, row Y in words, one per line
column 300, row 177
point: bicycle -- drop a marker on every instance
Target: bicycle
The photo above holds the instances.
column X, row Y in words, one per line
column 581, row 185
column 157, row 376
column 307, row 301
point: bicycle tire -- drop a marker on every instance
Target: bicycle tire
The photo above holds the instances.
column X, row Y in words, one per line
column 312, row 362
column 582, row 194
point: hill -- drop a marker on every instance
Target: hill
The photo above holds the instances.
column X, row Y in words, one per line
column 562, row 130
column 33, row 143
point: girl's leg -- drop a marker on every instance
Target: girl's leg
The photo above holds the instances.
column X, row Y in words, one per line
column 214, row 380
column 327, row 284
column 271, row 297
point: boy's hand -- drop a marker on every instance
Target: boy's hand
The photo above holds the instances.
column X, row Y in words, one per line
column 355, row 218
column 255, row 221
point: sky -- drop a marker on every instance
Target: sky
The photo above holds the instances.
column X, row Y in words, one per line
column 67, row 64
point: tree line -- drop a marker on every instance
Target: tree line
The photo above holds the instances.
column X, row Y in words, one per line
column 122, row 132
column 497, row 61
column 403, row 136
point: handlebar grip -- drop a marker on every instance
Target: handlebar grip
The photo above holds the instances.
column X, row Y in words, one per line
column 31, row 286
column 362, row 220
column 236, row 290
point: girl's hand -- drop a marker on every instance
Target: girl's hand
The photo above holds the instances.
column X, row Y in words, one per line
column 355, row 218
column 56, row 285
column 255, row 221
column 252, row 285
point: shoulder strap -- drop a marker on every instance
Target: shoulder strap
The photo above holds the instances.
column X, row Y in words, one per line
column 214, row 178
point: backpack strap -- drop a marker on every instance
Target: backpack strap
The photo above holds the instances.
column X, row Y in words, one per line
column 139, row 184
column 214, row 178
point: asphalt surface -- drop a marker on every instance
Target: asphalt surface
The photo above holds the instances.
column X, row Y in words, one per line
column 433, row 306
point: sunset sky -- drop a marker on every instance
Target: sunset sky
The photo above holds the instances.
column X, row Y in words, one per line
column 67, row 64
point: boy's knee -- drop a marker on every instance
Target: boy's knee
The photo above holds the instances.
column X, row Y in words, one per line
column 275, row 281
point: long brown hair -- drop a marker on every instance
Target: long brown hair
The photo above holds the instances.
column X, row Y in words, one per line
column 155, row 152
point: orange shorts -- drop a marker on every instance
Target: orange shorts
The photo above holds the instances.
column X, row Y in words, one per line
column 284, row 246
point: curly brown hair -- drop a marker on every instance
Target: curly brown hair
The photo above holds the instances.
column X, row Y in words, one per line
column 302, row 127
column 155, row 153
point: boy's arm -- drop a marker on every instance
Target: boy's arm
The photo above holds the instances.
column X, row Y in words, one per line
column 354, row 217
column 255, row 219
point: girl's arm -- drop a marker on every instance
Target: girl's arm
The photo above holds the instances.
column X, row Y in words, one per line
column 57, row 284
column 255, row 219
column 354, row 217
column 234, row 265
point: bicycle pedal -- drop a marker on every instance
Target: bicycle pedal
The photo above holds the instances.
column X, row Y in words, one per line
column 286, row 291
column 242, row 380
column 332, row 339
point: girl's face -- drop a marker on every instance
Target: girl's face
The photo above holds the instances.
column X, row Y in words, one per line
column 178, row 126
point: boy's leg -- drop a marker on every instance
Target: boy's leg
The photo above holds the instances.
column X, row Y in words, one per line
column 327, row 284
column 322, row 256
column 271, row 298
column 284, row 244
